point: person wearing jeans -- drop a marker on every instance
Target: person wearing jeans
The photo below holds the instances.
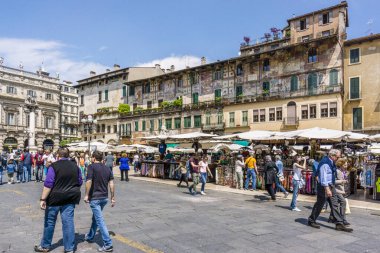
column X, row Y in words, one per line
column 194, row 169
column 39, row 165
column 203, row 167
column 250, row 162
column 280, row 167
column 27, row 159
column 60, row 194
column 297, row 175
column 99, row 178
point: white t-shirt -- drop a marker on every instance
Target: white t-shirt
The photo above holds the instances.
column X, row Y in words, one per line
column 239, row 165
column 203, row 167
column 296, row 172
column 135, row 158
column 48, row 158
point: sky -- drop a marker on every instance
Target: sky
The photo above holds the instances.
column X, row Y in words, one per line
column 72, row 37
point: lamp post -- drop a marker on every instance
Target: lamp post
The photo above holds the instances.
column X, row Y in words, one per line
column 88, row 123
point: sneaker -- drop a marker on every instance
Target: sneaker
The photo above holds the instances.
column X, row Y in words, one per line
column 177, row 185
column 251, row 190
column 313, row 225
column 190, row 190
column 18, row 181
column 203, row 193
column 39, row 248
column 286, row 194
column 105, row 249
column 87, row 239
column 9, row 182
column 296, row 209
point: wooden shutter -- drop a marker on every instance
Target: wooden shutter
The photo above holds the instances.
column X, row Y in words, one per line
column 307, row 22
column 330, row 16
column 320, row 19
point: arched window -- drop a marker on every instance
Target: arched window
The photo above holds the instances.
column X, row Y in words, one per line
column 312, row 55
column 294, row 83
column 334, row 77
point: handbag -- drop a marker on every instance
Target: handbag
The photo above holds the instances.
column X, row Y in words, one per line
column 280, row 177
column 301, row 183
column 348, row 210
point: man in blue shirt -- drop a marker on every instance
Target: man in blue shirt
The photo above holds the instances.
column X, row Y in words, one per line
column 162, row 148
column 326, row 189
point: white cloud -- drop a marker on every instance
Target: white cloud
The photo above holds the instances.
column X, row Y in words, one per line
column 179, row 62
column 32, row 52
column 102, row 48
column 370, row 21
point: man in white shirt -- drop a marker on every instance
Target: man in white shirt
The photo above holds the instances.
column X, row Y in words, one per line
column 136, row 162
column 48, row 160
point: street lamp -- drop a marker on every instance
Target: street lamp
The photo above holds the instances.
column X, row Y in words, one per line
column 88, row 123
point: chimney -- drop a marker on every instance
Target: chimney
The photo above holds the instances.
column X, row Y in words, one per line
column 203, row 60
column 116, row 66
column 108, row 70
column 157, row 66
column 172, row 68
column 92, row 73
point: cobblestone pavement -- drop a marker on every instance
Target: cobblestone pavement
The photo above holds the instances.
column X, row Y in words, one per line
column 157, row 218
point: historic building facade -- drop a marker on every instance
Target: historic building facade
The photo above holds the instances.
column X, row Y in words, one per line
column 15, row 87
column 362, row 84
column 291, row 81
column 68, row 112
column 101, row 94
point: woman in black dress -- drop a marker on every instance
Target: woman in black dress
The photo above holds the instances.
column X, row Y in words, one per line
column 270, row 172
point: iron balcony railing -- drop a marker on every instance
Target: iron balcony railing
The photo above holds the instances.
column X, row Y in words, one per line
column 213, row 126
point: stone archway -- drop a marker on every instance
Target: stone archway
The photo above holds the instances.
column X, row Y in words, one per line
column 9, row 144
column 112, row 142
column 48, row 144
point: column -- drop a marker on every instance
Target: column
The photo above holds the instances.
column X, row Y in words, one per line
column 32, row 130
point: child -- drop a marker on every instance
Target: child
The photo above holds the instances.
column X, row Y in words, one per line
column 11, row 167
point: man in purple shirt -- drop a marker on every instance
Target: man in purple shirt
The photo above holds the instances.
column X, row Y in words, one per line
column 60, row 195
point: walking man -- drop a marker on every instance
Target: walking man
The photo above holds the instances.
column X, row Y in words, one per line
column 326, row 189
column 99, row 178
column 39, row 165
column 60, row 195
column 194, row 170
column 109, row 161
column 280, row 176
column 250, row 163
column 27, row 159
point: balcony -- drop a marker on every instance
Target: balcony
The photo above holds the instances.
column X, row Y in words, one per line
column 213, row 127
column 12, row 128
column 126, row 134
column 290, row 122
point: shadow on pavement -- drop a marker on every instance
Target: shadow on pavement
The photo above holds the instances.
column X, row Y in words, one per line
column 283, row 207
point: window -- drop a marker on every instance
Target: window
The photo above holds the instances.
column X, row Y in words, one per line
column 134, row 106
column 279, row 113
column 11, row 90
column 312, row 82
column 245, row 118
column 106, row 95
column 232, row 119
column 151, row 125
column 272, row 114
column 197, row 121
column 66, row 89
column 217, row 75
column 293, row 83
column 266, row 65
column 131, row 90
column 304, row 112
column 218, row 94
column 195, row 98
column 108, row 129
column 103, row 128
column 177, row 123
column 239, row 91
column 99, row 96
column 324, row 110
column 262, row 115
column 82, row 99
column 239, row 70
column 48, row 122
column 305, row 38
column 193, row 78
column 303, row 24
column 168, row 123
column 149, row 104
column 115, row 129
column 143, row 125
column 208, row 119
column 334, row 77
column 333, row 109
column 49, row 96
column 326, row 33
column 266, row 88
column 160, row 102
column 11, row 121
column 220, row 118
column 313, row 111
column 28, row 120
column 136, row 126
column 124, row 91
column 31, row 93
column 312, row 55
column 326, row 18
column 73, row 109
column 146, row 88
column 354, row 55
column 179, row 83
column 159, row 124
column 255, row 115
column 187, row 121
column 357, row 118
column 160, row 87
column 354, row 88
column 66, row 108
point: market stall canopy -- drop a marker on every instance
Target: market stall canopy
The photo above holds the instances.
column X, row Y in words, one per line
column 375, row 137
column 156, row 137
column 256, row 135
column 136, row 148
column 191, row 136
column 178, row 150
column 374, row 148
column 223, row 146
column 100, row 146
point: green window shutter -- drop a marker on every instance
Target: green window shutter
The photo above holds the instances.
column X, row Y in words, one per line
column 195, row 98
column 136, row 126
column 354, row 88
column 159, row 124
column 124, row 91
column 357, row 117
column 333, row 77
column 151, row 127
column 294, row 83
column 143, row 125
column 197, row 121
column 239, row 90
column 168, row 123
column 177, row 123
column 354, row 55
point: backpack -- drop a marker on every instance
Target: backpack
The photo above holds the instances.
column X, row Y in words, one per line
column 11, row 167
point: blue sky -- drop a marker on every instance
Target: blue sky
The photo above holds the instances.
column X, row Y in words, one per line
column 73, row 37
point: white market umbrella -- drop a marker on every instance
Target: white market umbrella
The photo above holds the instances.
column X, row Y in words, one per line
column 375, row 137
column 255, row 135
column 191, row 136
column 231, row 147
